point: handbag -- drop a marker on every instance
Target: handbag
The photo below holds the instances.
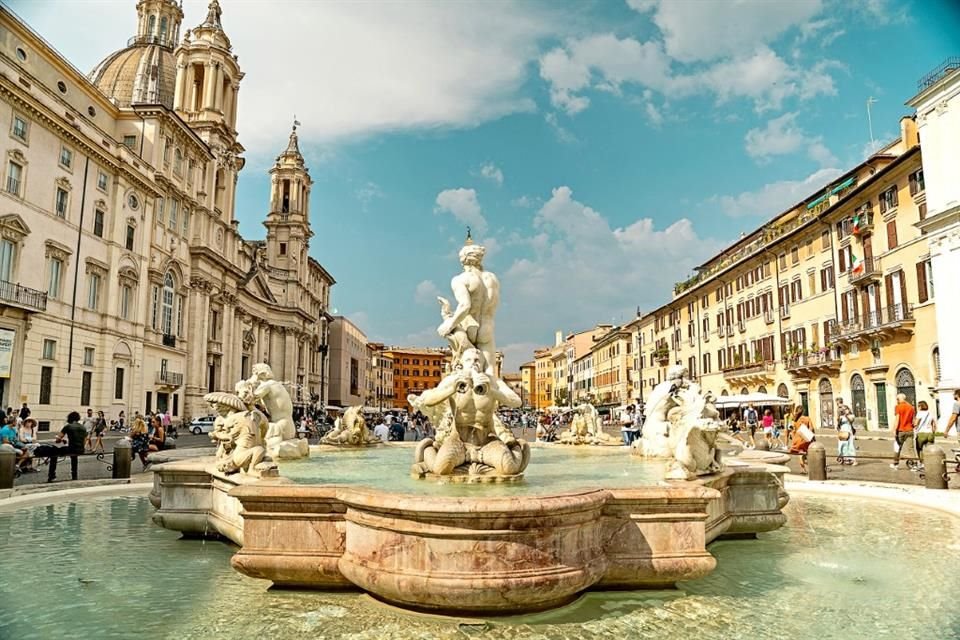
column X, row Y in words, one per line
column 843, row 436
column 805, row 433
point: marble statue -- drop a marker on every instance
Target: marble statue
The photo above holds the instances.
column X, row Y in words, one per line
column 470, row 439
column 238, row 432
column 682, row 425
column 351, row 430
column 586, row 428
column 281, row 436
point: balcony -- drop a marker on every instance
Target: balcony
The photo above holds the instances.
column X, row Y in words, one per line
column 14, row 295
column 662, row 356
column 742, row 326
column 882, row 324
column 868, row 270
column 169, row 379
column 785, row 311
column 758, row 372
column 692, row 340
column 169, row 341
column 768, row 316
column 855, row 225
column 813, row 364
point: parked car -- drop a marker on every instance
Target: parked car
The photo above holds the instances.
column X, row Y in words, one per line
column 202, row 425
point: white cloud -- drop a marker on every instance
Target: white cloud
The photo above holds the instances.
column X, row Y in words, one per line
column 524, row 202
column 426, row 292
column 653, row 113
column 578, row 256
column 368, row 193
column 464, row 206
column 704, row 31
column 358, row 67
column 773, row 198
column 492, row 172
column 563, row 134
column 518, row 353
column 783, row 136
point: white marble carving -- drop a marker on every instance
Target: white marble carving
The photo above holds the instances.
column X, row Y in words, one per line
column 470, row 440
column 281, row 436
column 681, row 425
column 238, row 432
column 351, row 430
column 586, row 428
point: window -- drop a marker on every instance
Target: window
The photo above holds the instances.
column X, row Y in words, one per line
column 825, row 240
column 888, row 199
column 98, row 223
column 826, row 278
column 49, row 349
column 166, row 150
column 93, row 291
column 166, row 314
column 795, row 255
column 102, row 181
column 131, row 231
column 181, row 301
column 186, row 222
column 7, row 252
column 66, row 157
column 86, row 384
column 174, row 214
column 60, row 204
column 782, row 260
column 88, row 354
column 178, row 162
column 46, row 384
column 214, row 322
column 20, row 128
column 14, row 177
column 283, row 248
column 126, row 298
column 916, row 182
column 56, row 275
column 924, row 281
column 892, row 234
column 118, row 384
column 130, row 142
column 160, row 212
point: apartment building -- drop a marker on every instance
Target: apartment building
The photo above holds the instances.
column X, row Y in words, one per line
column 348, row 363
column 380, row 376
column 611, row 362
column 528, row 383
column 415, row 369
column 583, row 378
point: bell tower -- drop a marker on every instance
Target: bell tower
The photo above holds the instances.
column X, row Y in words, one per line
column 158, row 22
column 288, row 222
column 208, row 83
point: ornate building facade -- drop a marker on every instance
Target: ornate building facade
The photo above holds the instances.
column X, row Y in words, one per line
column 125, row 284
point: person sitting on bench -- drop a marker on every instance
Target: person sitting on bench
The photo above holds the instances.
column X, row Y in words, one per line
column 75, row 435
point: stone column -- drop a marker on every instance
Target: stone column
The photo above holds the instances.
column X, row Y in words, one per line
column 197, row 338
column 231, row 343
column 218, row 90
column 233, row 106
column 290, row 356
column 179, row 86
column 209, row 77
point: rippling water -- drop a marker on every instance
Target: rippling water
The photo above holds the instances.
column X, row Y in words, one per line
column 558, row 468
column 841, row 568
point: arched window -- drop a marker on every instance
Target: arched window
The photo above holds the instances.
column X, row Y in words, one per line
column 858, row 396
column 178, row 162
column 163, row 27
column 907, row 385
column 724, row 393
column 936, row 364
column 782, row 391
column 761, row 389
column 826, row 403
column 744, row 391
column 166, row 306
column 151, row 25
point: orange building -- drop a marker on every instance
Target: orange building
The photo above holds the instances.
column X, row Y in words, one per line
column 414, row 370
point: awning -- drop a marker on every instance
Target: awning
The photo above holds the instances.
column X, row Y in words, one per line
column 811, row 205
column 757, row 399
column 843, row 185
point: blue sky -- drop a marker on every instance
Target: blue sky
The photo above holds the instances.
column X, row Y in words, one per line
column 599, row 149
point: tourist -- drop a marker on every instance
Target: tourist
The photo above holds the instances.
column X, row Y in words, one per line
column 24, row 412
column 382, row 431
column 119, row 425
column 903, row 432
column 954, row 415
column 626, row 425
column 27, row 436
column 159, row 436
column 9, row 436
column 752, row 420
column 637, row 431
column 924, row 426
column 98, row 429
column 802, row 436
column 89, row 423
column 767, row 423
column 140, row 440
column 846, row 435
column 76, row 436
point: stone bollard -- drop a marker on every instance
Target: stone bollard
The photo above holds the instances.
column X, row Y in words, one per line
column 934, row 467
column 122, row 459
column 8, row 463
column 816, row 462
column 761, row 444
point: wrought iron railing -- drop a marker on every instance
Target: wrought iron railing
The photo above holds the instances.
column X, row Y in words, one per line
column 869, row 269
column 170, row 378
column 20, row 296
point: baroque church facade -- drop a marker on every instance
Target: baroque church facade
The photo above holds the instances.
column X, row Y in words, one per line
column 125, row 284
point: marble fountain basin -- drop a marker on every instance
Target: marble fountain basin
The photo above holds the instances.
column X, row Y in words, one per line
column 471, row 548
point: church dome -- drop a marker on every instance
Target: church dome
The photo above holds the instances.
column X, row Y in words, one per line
column 143, row 73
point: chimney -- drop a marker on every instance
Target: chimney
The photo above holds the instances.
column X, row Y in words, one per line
column 558, row 339
column 908, row 132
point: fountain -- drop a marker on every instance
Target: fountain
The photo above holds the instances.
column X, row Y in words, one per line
column 586, row 428
column 507, row 547
column 350, row 430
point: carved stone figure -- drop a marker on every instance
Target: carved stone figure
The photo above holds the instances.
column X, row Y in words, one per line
column 281, row 437
column 351, row 430
column 682, row 424
column 238, row 431
column 586, row 428
column 470, row 439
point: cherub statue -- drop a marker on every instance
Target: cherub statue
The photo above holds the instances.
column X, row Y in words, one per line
column 281, row 437
column 238, row 432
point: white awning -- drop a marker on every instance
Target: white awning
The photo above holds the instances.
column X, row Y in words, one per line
column 757, row 399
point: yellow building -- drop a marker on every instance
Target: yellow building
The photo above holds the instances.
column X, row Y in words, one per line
column 831, row 298
column 612, row 356
column 528, row 383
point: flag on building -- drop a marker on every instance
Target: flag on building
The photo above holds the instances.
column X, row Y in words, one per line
column 856, row 265
column 856, row 224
